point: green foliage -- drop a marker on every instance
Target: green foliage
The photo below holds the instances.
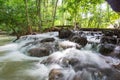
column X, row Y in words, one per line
column 89, row 13
column 12, row 16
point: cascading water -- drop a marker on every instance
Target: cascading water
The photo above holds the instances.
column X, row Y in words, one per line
column 61, row 64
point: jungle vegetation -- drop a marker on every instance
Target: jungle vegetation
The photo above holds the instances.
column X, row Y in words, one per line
column 22, row 17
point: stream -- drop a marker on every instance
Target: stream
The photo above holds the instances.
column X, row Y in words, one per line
column 74, row 64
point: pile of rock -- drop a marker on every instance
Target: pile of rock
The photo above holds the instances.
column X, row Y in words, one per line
column 109, row 44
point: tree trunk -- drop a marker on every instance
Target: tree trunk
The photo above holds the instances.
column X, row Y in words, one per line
column 54, row 13
column 39, row 14
column 45, row 10
column 29, row 29
column 115, row 5
column 62, row 18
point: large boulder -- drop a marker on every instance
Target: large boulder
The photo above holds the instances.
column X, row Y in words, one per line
column 108, row 39
column 33, row 33
column 51, row 46
column 39, row 52
column 80, row 40
column 54, row 58
column 45, row 43
column 65, row 33
column 108, row 33
column 106, row 49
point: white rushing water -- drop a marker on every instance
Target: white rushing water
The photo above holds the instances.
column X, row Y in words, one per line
column 72, row 63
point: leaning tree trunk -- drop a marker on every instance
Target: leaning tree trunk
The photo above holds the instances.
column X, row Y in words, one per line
column 29, row 29
column 54, row 13
column 115, row 4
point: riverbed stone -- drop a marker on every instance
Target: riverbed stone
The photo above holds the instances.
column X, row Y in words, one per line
column 117, row 51
column 80, row 40
column 106, row 49
column 83, row 75
column 38, row 52
column 117, row 66
column 51, row 46
column 47, row 40
column 34, row 33
column 65, row 33
column 56, row 74
column 108, row 33
column 118, row 41
column 108, row 39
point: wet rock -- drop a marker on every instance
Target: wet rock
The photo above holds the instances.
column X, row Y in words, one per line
column 109, row 74
column 79, row 60
column 47, row 61
column 29, row 43
column 83, row 75
column 117, row 33
column 108, row 33
column 89, row 75
column 113, row 75
column 106, row 49
column 80, row 40
column 78, row 65
column 117, row 66
column 34, row 33
column 38, row 52
column 51, row 46
column 87, row 66
column 73, row 61
column 118, row 41
column 47, row 40
column 65, row 33
column 56, row 74
column 117, row 51
column 54, row 58
column 77, row 76
column 61, row 74
column 108, row 39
